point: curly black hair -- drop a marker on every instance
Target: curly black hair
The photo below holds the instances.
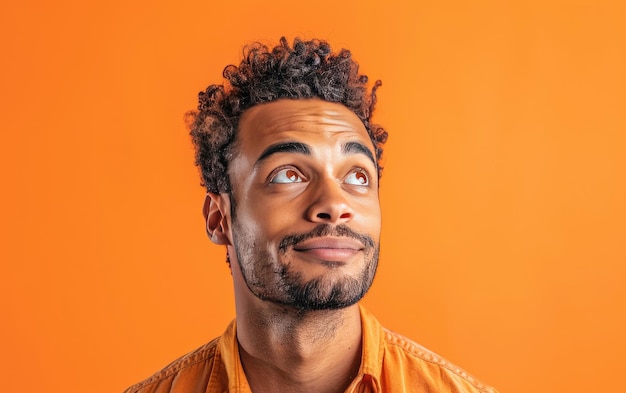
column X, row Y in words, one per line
column 308, row 69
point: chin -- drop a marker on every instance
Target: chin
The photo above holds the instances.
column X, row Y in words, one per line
column 326, row 293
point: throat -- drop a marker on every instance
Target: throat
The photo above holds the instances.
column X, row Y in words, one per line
column 320, row 352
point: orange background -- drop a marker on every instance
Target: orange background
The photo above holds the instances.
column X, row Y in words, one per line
column 503, row 196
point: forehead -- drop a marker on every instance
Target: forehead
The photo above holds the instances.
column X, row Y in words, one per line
column 313, row 121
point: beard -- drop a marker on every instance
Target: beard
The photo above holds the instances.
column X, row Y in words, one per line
column 276, row 279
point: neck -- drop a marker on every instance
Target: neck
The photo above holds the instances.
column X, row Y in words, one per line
column 290, row 350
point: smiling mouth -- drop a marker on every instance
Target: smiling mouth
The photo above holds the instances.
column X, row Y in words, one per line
column 331, row 250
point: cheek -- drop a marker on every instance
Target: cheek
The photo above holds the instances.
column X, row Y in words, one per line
column 264, row 220
column 370, row 215
column 369, row 205
column 277, row 223
column 279, row 205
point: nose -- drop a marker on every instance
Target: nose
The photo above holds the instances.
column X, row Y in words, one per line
column 329, row 204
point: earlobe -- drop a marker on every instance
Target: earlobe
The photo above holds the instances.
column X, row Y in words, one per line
column 216, row 211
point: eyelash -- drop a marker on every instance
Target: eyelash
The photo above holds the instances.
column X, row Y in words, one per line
column 277, row 171
column 302, row 178
column 360, row 171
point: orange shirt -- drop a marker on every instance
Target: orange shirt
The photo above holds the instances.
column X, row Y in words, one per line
column 389, row 363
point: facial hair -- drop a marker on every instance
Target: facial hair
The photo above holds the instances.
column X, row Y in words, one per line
column 277, row 280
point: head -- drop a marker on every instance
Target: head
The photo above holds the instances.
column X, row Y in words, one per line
column 291, row 163
column 307, row 70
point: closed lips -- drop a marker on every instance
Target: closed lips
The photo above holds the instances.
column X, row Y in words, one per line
column 329, row 243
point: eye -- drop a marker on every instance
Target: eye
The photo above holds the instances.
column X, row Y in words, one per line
column 358, row 177
column 286, row 175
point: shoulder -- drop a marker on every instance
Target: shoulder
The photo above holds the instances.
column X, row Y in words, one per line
column 193, row 367
column 430, row 368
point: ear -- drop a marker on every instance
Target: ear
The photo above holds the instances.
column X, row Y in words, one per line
column 216, row 212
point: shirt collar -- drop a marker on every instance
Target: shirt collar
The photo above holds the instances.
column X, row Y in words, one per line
column 229, row 351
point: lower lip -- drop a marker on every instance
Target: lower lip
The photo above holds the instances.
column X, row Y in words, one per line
column 330, row 254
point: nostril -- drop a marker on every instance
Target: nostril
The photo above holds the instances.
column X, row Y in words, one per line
column 345, row 215
column 325, row 216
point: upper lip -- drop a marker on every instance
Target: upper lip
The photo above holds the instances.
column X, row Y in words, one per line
column 329, row 242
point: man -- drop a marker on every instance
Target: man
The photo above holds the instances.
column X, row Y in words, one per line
column 291, row 163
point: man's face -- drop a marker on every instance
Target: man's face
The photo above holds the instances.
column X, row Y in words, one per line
column 306, row 214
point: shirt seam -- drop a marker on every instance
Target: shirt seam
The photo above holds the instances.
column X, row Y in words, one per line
column 418, row 351
column 198, row 356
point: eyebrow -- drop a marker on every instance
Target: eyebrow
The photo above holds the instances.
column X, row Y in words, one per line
column 287, row 147
column 358, row 148
column 301, row 148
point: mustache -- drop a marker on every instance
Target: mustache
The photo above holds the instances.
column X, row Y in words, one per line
column 321, row 230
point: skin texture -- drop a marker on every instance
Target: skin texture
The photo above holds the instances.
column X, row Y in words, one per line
column 303, row 242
